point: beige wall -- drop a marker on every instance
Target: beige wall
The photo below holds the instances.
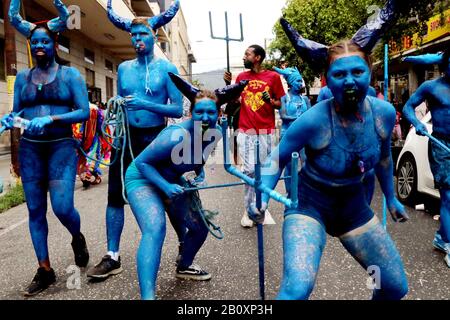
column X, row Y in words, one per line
column 179, row 44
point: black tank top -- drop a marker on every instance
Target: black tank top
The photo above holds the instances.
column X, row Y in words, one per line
column 53, row 94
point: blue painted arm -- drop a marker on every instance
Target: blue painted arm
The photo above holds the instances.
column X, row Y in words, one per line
column 408, row 110
column 160, row 149
column 294, row 140
column 172, row 110
column 77, row 87
column 384, row 170
column 429, row 58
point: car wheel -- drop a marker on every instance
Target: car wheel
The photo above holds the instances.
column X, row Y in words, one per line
column 407, row 180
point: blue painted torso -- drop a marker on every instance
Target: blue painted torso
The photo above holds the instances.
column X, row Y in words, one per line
column 347, row 154
column 53, row 98
column 438, row 98
column 292, row 106
column 194, row 161
column 131, row 81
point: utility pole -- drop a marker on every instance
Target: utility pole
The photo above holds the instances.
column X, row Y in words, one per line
column 11, row 71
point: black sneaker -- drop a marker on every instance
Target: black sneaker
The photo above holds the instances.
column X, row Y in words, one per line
column 107, row 267
column 41, row 281
column 193, row 272
column 80, row 250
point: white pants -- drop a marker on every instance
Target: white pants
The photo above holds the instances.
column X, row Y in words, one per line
column 246, row 149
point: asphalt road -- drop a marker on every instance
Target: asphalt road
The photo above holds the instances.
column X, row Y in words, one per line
column 232, row 261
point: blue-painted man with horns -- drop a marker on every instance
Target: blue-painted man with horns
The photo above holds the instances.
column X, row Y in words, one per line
column 146, row 87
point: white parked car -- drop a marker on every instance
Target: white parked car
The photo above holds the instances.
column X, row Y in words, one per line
column 414, row 177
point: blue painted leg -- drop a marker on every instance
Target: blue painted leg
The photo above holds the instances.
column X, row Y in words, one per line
column 303, row 242
column 372, row 247
column 148, row 209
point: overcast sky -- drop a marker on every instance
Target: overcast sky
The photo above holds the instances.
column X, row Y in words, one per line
column 258, row 17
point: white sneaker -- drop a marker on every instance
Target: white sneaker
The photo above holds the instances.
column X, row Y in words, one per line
column 268, row 218
column 246, row 222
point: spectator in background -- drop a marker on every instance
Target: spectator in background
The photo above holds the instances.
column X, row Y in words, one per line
column 378, row 93
column 257, row 117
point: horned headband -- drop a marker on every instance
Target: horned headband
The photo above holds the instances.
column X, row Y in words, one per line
column 55, row 25
column 366, row 37
column 290, row 74
column 154, row 22
column 223, row 94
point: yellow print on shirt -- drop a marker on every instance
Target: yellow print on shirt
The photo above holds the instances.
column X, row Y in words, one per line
column 254, row 100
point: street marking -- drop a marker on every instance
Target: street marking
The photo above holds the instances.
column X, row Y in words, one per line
column 10, row 228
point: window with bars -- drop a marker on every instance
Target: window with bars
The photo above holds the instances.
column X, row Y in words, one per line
column 64, row 44
column 109, row 65
column 89, row 56
column 109, row 88
column 90, row 78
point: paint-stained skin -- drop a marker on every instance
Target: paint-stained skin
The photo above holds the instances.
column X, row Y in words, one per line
column 159, row 189
column 437, row 95
column 293, row 105
column 147, row 89
column 345, row 138
column 52, row 97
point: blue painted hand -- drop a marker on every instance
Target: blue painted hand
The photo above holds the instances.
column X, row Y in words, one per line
column 257, row 215
column 134, row 103
column 200, row 179
column 173, row 190
column 7, row 120
column 397, row 210
column 37, row 125
column 421, row 129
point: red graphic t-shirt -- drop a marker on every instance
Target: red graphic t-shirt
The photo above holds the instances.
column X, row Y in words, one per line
column 255, row 114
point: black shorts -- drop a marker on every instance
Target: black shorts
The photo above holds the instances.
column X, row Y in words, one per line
column 338, row 209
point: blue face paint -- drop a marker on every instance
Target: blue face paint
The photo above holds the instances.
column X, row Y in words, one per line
column 42, row 45
column 205, row 111
column 348, row 78
column 142, row 39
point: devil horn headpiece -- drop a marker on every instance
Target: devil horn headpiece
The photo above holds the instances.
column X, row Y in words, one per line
column 369, row 34
column 55, row 25
column 313, row 52
column 187, row 89
column 230, row 92
column 366, row 37
column 154, row 22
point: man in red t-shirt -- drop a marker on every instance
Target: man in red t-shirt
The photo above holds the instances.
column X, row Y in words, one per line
column 259, row 100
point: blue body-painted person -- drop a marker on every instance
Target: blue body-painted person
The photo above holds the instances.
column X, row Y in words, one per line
column 437, row 95
column 52, row 97
column 146, row 87
column 369, row 178
column 154, row 185
column 293, row 105
column 344, row 137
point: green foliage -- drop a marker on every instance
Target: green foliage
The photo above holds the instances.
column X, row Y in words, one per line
column 197, row 83
column 12, row 198
column 328, row 21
